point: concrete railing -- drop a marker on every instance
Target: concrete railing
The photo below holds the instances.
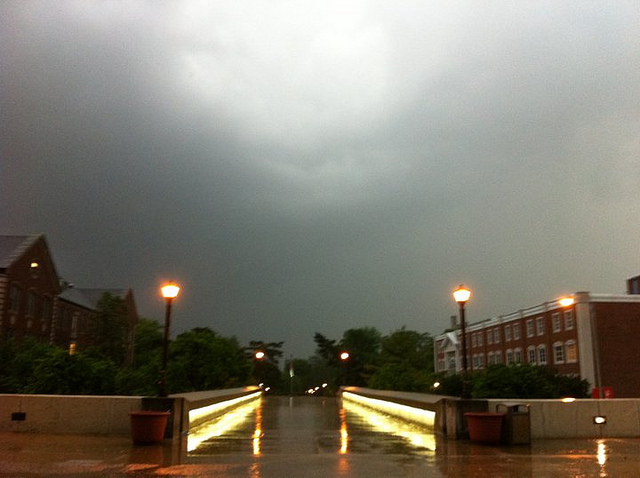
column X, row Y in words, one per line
column 81, row 414
column 198, row 407
column 558, row 419
column 109, row 415
column 548, row 418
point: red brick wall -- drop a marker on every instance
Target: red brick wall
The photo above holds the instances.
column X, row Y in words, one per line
column 618, row 330
column 41, row 283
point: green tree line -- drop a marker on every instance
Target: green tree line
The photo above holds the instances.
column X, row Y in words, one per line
column 202, row 359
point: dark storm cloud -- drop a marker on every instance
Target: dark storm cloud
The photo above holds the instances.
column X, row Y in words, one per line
column 305, row 167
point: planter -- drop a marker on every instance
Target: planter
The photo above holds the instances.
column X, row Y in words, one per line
column 485, row 427
column 147, row 426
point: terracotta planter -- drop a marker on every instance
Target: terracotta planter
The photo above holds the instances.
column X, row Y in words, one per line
column 147, row 426
column 485, row 427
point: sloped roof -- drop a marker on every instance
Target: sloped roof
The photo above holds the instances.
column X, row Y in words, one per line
column 450, row 339
column 89, row 298
column 12, row 247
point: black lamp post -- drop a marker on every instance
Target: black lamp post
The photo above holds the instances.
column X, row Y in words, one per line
column 461, row 296
column 169, row 292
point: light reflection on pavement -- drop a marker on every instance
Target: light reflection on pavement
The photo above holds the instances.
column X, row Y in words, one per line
column 312, row 436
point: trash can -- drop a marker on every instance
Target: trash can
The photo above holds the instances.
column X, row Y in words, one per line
column 517, row 423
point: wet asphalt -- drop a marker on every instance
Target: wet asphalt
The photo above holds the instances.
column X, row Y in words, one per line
column 312, row 437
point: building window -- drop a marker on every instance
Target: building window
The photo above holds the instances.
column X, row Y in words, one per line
column 496, row 335
column 498, row 357
column 542, row 354
column 509, row 356
column 568, row 320
column 572, row 351
column 74, row 326
column 530, row 328
column 451, row 360
column 47, row 309
column 540, row 325
column 532, row 354
column 478, row 361
column 516, row 331
column 474, row 340
column 517, row 356
column 558, row 352
column 31, row 304
column 489, row 337
column 14, row 298
column 557, row 322
column 480, row 341
column 507, row 333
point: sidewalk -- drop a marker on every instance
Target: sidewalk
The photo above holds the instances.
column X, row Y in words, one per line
column 32, row 455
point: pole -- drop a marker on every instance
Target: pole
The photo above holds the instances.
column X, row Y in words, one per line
column 291, row 375
column 165, row 349
column 465, row 391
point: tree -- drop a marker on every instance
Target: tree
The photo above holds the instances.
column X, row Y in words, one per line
column 521, row 381
column 18, row 362
column 142, row 377
column 309, row 373
column 79, row 374
column 272, row 350
column 406, row 362
column 326, row 349
column 363, row 345
column 200, row 359
column 111, row 328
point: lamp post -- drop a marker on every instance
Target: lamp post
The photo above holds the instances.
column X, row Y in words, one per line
column 344, row 356
column 461, row 296
column 169, row 292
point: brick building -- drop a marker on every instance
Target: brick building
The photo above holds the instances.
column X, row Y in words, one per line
column 594, row 337
column 34, row 302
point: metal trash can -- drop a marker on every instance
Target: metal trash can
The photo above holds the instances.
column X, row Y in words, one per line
column 517, row 423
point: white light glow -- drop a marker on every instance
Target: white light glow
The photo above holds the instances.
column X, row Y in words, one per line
column 217, row 427
column 566, row 301
column 602, row 453
column 418, row 415
column 199, row 413
column 461, row 294
column 414, row 433
column 170, row 291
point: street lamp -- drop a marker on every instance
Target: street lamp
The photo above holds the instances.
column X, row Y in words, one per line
column 461, row 296
column 169, row 292
column 259, row 355
column 344, row 356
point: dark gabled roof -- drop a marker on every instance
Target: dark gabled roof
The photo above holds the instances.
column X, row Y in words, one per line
column 89, row 298
column 12, row 247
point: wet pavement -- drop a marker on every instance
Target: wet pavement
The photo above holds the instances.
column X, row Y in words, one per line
column 312, row 437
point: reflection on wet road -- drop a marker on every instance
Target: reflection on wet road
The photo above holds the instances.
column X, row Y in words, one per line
column 275, row 425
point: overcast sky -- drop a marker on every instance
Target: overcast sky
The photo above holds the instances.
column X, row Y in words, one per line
column 304, row 166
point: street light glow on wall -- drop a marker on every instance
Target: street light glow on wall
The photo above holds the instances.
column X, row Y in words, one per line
column 169, row 292
column 566, row 301
column 461, row 296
